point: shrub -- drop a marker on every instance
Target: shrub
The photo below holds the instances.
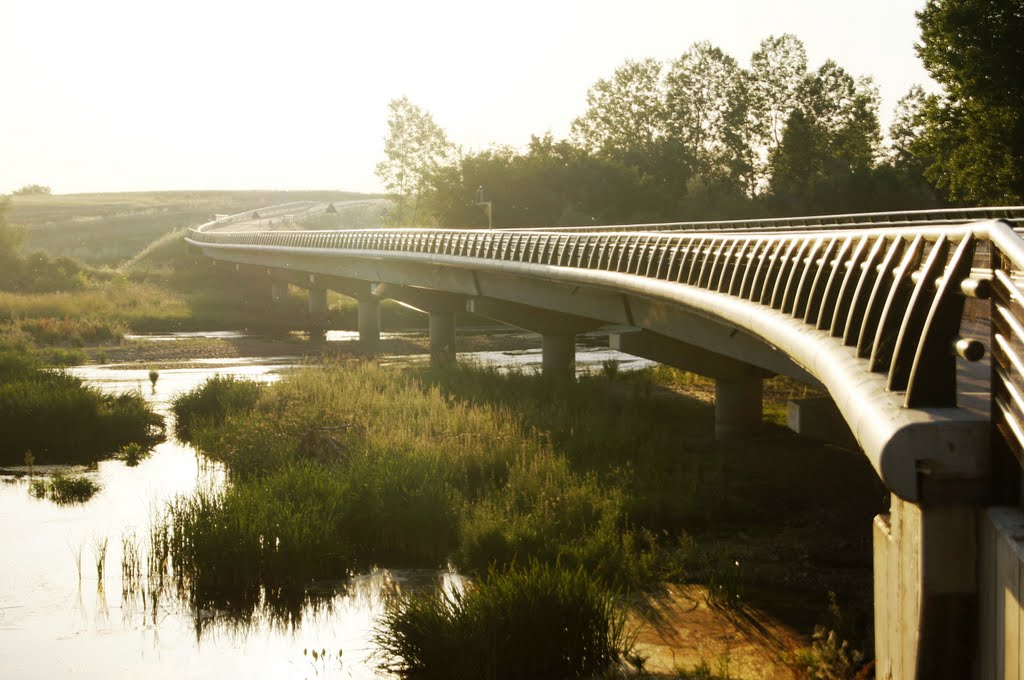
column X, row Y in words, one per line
column 60, row 419
column 538, row 621
column 65, row 489
column 211, row 402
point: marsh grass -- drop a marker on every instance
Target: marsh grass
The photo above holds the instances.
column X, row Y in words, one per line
column 213, row 401
column 343, row 466
column 99, row 551
column 65, row 489
column 132, row 453
column 132, row 577
column 61, row 420
column 538, row 621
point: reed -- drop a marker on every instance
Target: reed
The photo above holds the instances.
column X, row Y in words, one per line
column 61, row 420
column 538, row 621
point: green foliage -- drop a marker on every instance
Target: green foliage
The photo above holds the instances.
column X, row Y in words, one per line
column 974, row 132
column 416, row 148
column 538, row 621
column 625, row 115
column 32, row 190
column 61, row 420
column 699, row 137
column 211, row 402
column 344, row 466
column 65, row 489
column 37, row 272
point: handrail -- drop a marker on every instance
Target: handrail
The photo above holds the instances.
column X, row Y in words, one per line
column 885, row 300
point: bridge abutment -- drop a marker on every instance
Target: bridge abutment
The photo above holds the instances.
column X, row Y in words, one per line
column 926, row 590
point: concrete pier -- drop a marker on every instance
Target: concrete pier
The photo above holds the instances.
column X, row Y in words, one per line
column 738, row 408
column 442, row 338
column 369, row 321
column 558, row 356
column 278, row 291
column 317, row 314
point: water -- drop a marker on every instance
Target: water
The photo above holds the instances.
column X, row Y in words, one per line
column 57, row 618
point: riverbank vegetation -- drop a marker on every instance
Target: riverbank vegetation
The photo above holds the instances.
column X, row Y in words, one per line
column 53, row 417
column 347, row 465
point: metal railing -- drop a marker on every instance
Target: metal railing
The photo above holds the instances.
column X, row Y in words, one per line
column 891, row 288
column 906, row 218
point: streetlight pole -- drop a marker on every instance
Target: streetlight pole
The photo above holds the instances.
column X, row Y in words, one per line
column 486, row 205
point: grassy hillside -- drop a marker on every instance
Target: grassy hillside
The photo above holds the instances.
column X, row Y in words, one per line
column 106, row 229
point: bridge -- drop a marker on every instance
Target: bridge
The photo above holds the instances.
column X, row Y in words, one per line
column 912, row 323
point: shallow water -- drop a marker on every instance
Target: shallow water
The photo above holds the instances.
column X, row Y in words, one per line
column 58, row 618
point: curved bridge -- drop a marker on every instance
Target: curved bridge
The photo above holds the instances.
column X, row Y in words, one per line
column 878, row 309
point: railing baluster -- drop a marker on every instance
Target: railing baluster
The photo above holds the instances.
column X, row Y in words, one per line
column 739, row 267
column 890, row 320
column 795, row 299
column 914, row 318
column 932, row 380
column 862, row 293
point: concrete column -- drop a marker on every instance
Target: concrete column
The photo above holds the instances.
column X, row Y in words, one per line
column 442, row 338
column 558, row 356
column 317, row 314
column 369, row 321
column 737, row 408
column 926, row 602
column 278, row 291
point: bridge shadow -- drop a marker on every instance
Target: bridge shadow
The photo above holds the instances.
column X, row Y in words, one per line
column 790, row 515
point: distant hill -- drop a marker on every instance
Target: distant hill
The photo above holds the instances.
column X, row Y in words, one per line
column 106, row 229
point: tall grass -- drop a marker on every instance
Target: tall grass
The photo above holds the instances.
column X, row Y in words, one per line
column 345, row 465
column 534, row 622
column 211, row 402
column 61, row 420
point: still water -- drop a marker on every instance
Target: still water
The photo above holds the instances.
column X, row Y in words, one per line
column 58, row 618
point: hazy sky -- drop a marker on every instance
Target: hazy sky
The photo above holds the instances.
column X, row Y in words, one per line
column 120, row 95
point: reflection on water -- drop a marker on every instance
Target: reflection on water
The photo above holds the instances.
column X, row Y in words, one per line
column 60, row 616
column 65, row 609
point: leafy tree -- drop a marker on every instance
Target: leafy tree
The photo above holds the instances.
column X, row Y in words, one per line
column 777, row 70
column 32, row 190
column 625, row 115
column 416, row 149
column 707, row 106
column 974, row 132
column 830, row 146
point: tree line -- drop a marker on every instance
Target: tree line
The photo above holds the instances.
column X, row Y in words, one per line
column 704, row 137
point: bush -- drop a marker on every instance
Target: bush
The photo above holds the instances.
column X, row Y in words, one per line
column 61, row 420
column 212, row 402
column 535, row 622
column 65, row 490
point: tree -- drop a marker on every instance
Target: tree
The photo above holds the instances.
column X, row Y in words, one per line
column 975, row 130
column 706, row 107
column 32, row 190
column 416, row 149
column 777, row 70
column 625, row 114
column 830, row 145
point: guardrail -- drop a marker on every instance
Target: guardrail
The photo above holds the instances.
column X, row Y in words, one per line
column 894, row 295
column 906, row 218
